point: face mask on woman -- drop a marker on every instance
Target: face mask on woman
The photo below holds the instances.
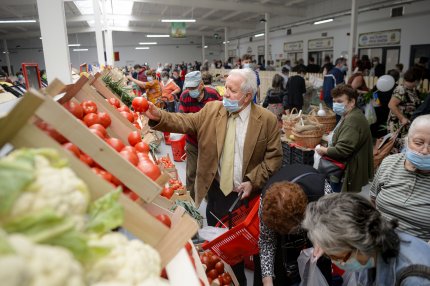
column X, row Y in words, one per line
column 353, row 265
column 149, row 78
column 420, row 161
column 246, row 66
column 339, row 108
column 165, row 79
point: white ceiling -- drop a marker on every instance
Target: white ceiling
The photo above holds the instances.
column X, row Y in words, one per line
column 211, row 15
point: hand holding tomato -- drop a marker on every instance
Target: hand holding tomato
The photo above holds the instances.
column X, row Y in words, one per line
column 153, row 112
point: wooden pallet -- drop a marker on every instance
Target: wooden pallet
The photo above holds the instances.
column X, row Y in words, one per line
column 19, row 130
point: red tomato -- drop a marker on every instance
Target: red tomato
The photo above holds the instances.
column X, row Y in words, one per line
column 134, row 137
column 89, row 106
column 91, row 119
column 143, row 157
column 100, row 128
column 115, row 143
column 140, row 104
column 97, row 133
column 164, row 273
column 56, row 135
column 86, row 159
column 219, row 266
column 130, row 156
column 114, row 102
column 164, row 219
column 127, row 115
column 133, row 196
column 220, row 279
column 74, row 108
column 123, row 108
column 189, row 248
column 213, row 274
column 129, row 149
column 106, row 175
column 116, row 182
column 167, row 192
column 149, row 169
column 137, row 126
column 104, row 119
column 141, row 147
column 227, row 279
column 72, row 148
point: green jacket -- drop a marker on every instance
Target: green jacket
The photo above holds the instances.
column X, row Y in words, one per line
column 352, row 144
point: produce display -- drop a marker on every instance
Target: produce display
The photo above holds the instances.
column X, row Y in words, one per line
column 52, row 234
column 215, row 269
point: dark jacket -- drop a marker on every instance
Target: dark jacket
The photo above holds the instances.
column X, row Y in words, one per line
column 352, row 144
column 273, row 97
column 296, row 87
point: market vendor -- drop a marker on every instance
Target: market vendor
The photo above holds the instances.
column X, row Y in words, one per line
column 151, row 87
column 192, row 100
column 239, row 146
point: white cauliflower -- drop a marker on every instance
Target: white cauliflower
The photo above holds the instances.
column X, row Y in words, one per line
column 130, row 262
column 39, row 265
column 56, row 188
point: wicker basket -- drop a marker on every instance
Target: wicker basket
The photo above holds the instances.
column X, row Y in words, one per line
column 308, row 137
column 288, row 121
column 328, row 121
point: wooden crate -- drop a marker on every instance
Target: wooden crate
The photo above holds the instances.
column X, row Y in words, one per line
column 18, row 129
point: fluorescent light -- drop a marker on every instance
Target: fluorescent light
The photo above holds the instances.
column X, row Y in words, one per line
column 157, row 36
column 80, row 50
column 259, row 35
column 178, row 20
column 74, row 45
column 228, row 42
column 142, row 48
column 205, row 47
column 323, row 21
column 16, row 21
column 147, row 43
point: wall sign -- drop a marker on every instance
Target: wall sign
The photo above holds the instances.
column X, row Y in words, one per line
column 382, row 38
column 293, row 46
column 249, row 50
column 260, row 49
column 320, row 44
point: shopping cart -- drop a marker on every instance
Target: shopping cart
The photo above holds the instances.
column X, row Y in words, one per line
column 241, row 240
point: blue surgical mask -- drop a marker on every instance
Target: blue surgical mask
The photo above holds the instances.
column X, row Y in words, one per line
column 149, row 78
column 231, row 105
column 420, row 161
column 344, row 68
column 353, row 265
column 20, row 76
column 246, row 66
column 339, row 108
column 194, row 93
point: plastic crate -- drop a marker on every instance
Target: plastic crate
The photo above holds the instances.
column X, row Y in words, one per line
column 242, row 239
column 303, row 156
column 287, row 153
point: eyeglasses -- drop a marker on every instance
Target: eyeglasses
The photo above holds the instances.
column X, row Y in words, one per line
column 341, row 260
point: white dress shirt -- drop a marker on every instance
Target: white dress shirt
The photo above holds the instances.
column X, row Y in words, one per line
column 239, row 142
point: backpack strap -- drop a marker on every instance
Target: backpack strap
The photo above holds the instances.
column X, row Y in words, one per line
column 304, row 175
column 412, row 270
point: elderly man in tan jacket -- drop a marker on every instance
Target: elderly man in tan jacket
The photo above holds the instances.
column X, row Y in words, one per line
column 239, row 144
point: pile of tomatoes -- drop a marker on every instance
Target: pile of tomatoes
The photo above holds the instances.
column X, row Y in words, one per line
column 125, row 111
column 215, row 269
column 166, row 162
column 171, row 187
column 137, row 153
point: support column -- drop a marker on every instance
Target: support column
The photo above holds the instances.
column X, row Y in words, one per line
column 266, row 39
column 99, row 35
column 54, row 40
column 352, row 35
column 109, row 48
column 6, row 50
column 203, row 49
column 225, row 44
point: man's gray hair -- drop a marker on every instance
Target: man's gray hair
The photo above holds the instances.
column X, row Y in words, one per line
column 250, row 80
column 423, row 120
column 343, row 222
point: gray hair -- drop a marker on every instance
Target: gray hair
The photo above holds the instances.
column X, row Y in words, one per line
column 423, row 120
column 344, row 222
column 250, row 80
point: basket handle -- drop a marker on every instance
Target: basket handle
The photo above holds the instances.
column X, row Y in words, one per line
column 233, row 206
column 292, row 112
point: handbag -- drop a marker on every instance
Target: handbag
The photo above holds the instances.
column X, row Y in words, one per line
column 383, row 147
column 333, row 170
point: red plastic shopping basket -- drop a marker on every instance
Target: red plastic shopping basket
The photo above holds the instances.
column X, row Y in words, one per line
column 241, row 240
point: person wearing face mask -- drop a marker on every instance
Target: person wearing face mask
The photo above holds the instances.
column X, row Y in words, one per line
column 377, row 69
column 195, row 96
column 246, row 64
column 403, row 103
column 177, row 79
column 333, row 78
column 151, row 87
column 358, row 239
column 400, row 189
column 239, row 146
column 169, row 91
column 351, row 142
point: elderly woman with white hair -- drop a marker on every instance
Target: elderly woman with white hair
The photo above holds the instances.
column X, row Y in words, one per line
column 358, row 239
column 401, row 186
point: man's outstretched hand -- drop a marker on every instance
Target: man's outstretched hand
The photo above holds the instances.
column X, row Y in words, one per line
column 153, row 112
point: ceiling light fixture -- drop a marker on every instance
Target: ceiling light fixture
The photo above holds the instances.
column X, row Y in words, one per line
column 323, row 21
column 74, row 45
column 205, row 47
column 262, row 20
column 16, row 21
column 142, row 48
column 259, row 35
column 157, row 36
column 147, row 43
column 228, row 42
column 178, row 20
column 80, row 50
